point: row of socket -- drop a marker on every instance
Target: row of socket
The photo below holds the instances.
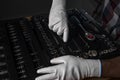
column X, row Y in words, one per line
column 52, row 50
column 17, row 52
column 4, row 75
column 28, row 39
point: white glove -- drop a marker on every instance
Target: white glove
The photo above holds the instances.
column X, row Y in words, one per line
column 71, row 68
column 58, row 22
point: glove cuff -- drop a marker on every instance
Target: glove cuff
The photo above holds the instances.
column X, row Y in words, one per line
column 95, row 68
column 91, row 68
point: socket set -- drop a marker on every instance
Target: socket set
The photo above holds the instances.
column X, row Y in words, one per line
column 28, row 45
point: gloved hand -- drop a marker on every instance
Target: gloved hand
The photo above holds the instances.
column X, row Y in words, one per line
column 71, row 68
column 58, row 21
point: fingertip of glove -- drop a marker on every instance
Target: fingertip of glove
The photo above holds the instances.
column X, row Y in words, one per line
column 37, row 71
column 36, row 79
column 65, row 35
column 65, row 40
column 52, row 60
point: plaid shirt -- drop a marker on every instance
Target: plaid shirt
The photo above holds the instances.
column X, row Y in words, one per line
column 109, row 15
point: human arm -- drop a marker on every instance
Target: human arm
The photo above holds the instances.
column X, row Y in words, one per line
column 111, row 67
column 58, row 18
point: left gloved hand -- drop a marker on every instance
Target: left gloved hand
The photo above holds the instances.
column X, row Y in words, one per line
column 71, row 68
column 58, row 19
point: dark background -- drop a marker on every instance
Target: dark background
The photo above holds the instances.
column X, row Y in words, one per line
column 19, row 8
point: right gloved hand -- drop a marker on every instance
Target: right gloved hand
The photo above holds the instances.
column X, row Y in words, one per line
column 58, row 21
column 71, row 68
